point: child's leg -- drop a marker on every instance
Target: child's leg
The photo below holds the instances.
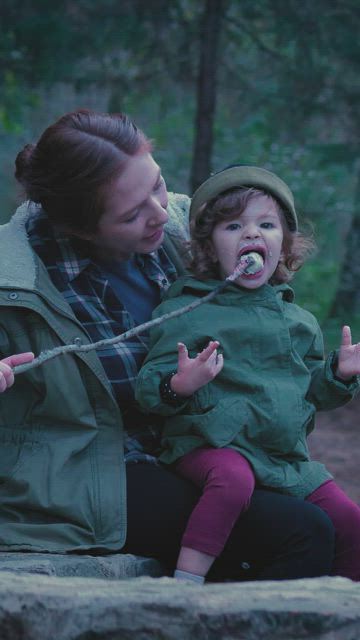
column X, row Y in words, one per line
column 345, row 516
column 228, row 482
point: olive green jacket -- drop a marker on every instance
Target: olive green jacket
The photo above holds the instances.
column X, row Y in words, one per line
column 62, row 473
column 264, row 400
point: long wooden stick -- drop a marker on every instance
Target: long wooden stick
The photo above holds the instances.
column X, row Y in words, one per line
column 246, row 263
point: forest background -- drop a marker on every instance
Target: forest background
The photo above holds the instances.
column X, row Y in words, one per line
column 213, row 82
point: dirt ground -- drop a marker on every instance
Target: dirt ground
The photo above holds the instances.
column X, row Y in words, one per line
column 336, row 442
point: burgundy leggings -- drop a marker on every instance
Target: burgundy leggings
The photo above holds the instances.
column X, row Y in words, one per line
column 227, row 482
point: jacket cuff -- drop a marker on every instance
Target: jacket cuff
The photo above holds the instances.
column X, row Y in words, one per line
column 169, row 396
column 351, row 385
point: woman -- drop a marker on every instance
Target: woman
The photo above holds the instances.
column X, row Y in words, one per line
column 86, row 258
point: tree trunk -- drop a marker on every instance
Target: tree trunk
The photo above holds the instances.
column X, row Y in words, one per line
column 347, row 299
column 206, row 91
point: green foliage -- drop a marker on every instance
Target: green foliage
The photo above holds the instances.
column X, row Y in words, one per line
column 332, row 330
column 122, row 46
column 15, row 100
column 12, row 98
column 288, row 95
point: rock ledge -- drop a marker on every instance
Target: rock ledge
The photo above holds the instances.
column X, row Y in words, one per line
column 43, row 607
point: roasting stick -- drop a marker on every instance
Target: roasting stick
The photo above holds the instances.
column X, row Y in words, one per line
column 249, row 263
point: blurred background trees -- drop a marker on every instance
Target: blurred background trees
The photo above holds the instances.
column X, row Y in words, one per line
column 272, row 82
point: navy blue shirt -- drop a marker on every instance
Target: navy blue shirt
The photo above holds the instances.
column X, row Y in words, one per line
column 133, row 288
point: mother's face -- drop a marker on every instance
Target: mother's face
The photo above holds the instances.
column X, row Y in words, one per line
column 134, row 211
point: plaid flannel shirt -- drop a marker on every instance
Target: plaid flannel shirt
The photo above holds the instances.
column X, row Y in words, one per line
column 102, row 315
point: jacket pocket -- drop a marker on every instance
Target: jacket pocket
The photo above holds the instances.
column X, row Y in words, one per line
column 221, row 423
column 16, row 447
column 217, row 425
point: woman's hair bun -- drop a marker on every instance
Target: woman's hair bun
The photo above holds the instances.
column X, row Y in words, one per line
column 23, row 163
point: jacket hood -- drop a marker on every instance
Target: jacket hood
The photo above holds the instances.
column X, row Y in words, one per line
column 18, row 262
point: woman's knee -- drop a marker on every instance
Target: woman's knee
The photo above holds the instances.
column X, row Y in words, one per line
column 318, row 525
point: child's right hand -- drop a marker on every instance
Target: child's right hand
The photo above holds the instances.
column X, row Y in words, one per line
column 193, row 373
column 6, row 372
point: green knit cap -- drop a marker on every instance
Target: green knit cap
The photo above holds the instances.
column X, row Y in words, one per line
column 245, row 176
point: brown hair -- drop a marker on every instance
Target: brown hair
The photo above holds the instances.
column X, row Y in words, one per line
column 296, row 245
column 73, row 161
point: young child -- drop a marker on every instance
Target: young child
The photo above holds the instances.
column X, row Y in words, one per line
column 240, row 398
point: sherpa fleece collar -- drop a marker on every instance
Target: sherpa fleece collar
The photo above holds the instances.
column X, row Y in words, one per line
column 18, row 262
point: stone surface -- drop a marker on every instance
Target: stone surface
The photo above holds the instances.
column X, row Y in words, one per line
column 115, row 566
column 38, row 607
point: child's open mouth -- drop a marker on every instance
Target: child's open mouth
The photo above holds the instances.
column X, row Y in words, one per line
column 251, row 261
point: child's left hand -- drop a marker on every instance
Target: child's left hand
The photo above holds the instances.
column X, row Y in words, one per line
column 194, row 373
column 349, row 357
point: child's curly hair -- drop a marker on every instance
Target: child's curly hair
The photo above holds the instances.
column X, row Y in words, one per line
column 296, row 245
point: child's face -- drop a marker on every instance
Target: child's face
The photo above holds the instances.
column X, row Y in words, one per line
column 258, row 229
